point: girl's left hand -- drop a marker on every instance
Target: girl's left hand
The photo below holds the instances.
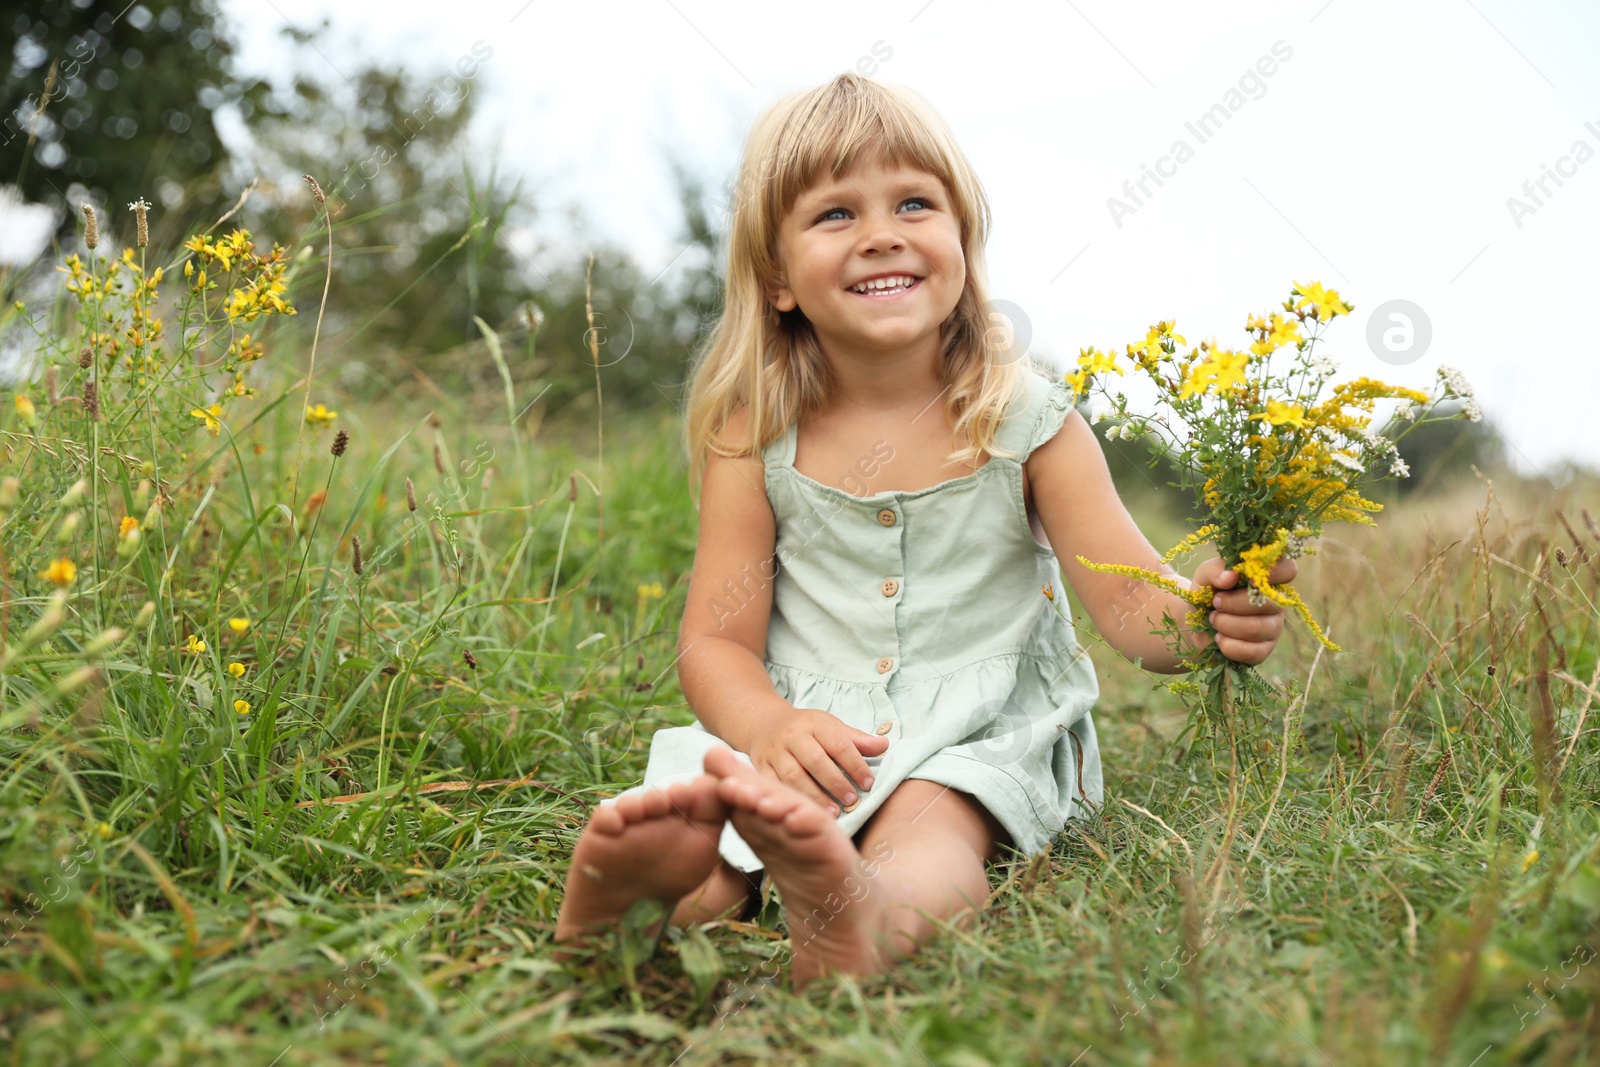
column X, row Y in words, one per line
column 1246, row 633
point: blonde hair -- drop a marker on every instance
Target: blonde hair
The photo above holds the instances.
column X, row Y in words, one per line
column 770, row 361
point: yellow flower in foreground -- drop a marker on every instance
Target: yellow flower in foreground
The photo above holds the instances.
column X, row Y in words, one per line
column 209, row 415
column 128, row 523
column 25, row 409
column 194, row 644
column 1530, row 859
column 1256, row 563
column 1325, row 303
column 1223, row 370
column 1278, row 413
column 1079, row 380
column 238, row 626
column 1094, row 362
column 651, row 591
column 242, row 707
column 320, row 414
column 1281, row 331
column 236, row 669
column 1049, row 594
column 61, row 572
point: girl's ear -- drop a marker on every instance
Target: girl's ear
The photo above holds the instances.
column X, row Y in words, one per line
column 781, row 296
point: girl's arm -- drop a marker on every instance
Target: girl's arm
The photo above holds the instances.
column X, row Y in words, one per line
column 1083, row 515
column 722, row 646
column 722, row 643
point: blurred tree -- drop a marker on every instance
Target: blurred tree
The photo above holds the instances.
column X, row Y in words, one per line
column 130, row 111
column 423, row 244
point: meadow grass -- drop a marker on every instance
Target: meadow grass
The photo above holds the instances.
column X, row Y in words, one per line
column 366, row 865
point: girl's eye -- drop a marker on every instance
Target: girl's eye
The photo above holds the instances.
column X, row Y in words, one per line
column 912, row 200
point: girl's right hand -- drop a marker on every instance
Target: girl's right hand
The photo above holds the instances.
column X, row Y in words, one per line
column 812, row 750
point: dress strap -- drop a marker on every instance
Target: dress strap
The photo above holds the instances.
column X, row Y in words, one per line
column 779, row 452
column 1036, row 412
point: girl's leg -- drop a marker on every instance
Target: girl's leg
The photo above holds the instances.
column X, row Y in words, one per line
column 931, row 846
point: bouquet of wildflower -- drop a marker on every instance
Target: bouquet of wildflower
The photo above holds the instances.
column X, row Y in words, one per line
column 1272, row 458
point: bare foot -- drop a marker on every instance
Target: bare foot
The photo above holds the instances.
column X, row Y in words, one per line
column 835, row 917
column 659, row 844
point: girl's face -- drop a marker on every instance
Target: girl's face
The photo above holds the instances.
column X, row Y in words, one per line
column 872, row 223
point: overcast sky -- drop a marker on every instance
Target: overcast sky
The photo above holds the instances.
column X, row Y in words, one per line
column 1379, row 156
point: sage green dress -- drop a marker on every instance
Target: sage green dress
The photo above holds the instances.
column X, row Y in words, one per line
column 921, row 616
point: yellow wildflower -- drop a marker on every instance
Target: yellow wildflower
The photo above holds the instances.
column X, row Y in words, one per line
column 1192, row 541
column 320, row 414
column 129, row 523
column 1324, row 303
column 651, row 591
column 1225, row 370
column 194, row 644
column 238, row 626
column 1079, row 380
column 1049, row 593
column 1530, row 859
column 25, row 409
column 60, row 572
column 1198, row 595
column 1279, row 413
column 242, row 707
column 1094, row 362
column 1281, row 331
column 210, row 416
column 236, row 669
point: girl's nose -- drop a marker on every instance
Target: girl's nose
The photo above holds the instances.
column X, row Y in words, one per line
column 882, row 237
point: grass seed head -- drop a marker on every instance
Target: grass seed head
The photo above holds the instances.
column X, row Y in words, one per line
column 411, row 496
column 340, row 440
column 355, row 554
column 91, row 227
column 140, row 211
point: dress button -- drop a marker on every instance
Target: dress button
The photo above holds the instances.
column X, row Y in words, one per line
column 890, row 587
column 885, row 726
column 885, row 665
column 886, row 516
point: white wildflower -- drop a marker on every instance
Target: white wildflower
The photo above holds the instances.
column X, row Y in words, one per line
column 1098, row 411
column 1472, row 411
column 1326, row 366
column 1378, row 444
column 1256, row 597
column 1399, row 469
column 1346, row 460
column 1454, row 381
column 1405, row 410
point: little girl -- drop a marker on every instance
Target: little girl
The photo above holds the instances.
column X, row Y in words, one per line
column 886, row 696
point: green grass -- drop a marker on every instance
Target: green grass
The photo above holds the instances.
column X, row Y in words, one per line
column 182, row 890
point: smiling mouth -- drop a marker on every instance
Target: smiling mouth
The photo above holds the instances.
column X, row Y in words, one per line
column 880, row 294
